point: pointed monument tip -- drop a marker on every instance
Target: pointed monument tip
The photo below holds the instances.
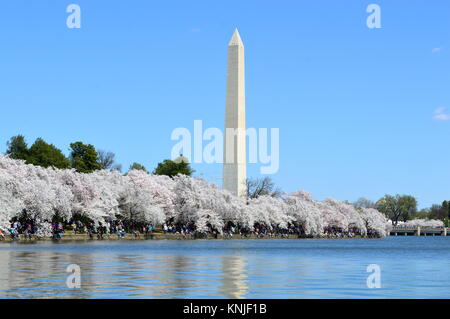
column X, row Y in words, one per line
column 235, row 39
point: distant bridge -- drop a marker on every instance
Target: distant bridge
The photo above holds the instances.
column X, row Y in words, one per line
column 419, row 231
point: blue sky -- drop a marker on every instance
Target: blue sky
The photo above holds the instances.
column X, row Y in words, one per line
column 356, row 107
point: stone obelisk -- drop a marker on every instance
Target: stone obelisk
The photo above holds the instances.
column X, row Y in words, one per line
column 234, row 167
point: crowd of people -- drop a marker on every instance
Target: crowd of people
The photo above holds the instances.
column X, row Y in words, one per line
column 24, row 229
column 107, row 202
column 119, row 228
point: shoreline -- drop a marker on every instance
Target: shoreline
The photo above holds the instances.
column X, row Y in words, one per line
column 160, row 236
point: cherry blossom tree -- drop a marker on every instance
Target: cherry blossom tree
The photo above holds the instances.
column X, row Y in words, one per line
column 270, row 211
column 199, row 202
column 375, row 221
column 305, row 212
column 44, row 195
column 345, row 216
column 424, row 223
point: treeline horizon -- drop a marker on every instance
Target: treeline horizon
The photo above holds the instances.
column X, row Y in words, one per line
column 85, row 158
column 404, row 208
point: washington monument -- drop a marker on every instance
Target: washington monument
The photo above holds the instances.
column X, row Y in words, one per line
column 234, row 167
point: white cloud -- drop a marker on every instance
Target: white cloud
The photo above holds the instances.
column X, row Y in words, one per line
column 441, row 115
column 436, row 50
column 440, row 110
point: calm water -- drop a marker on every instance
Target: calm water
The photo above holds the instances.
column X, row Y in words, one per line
column 411, row 267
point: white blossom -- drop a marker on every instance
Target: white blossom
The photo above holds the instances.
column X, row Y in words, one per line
column 41, row 194
column 424, row 223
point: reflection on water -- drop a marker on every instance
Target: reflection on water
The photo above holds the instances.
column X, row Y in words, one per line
column 234, row 277
column 39, row 274
column 411, row 268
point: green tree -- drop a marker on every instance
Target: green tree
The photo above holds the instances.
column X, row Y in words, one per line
column 439, row 211
column 172, row 168
column 137, row 166
column 398, row 206
column 408, row 205
column 17, row 148
column 84, row 158
column 446, row 207
column 43, row 154
column 423, row 214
